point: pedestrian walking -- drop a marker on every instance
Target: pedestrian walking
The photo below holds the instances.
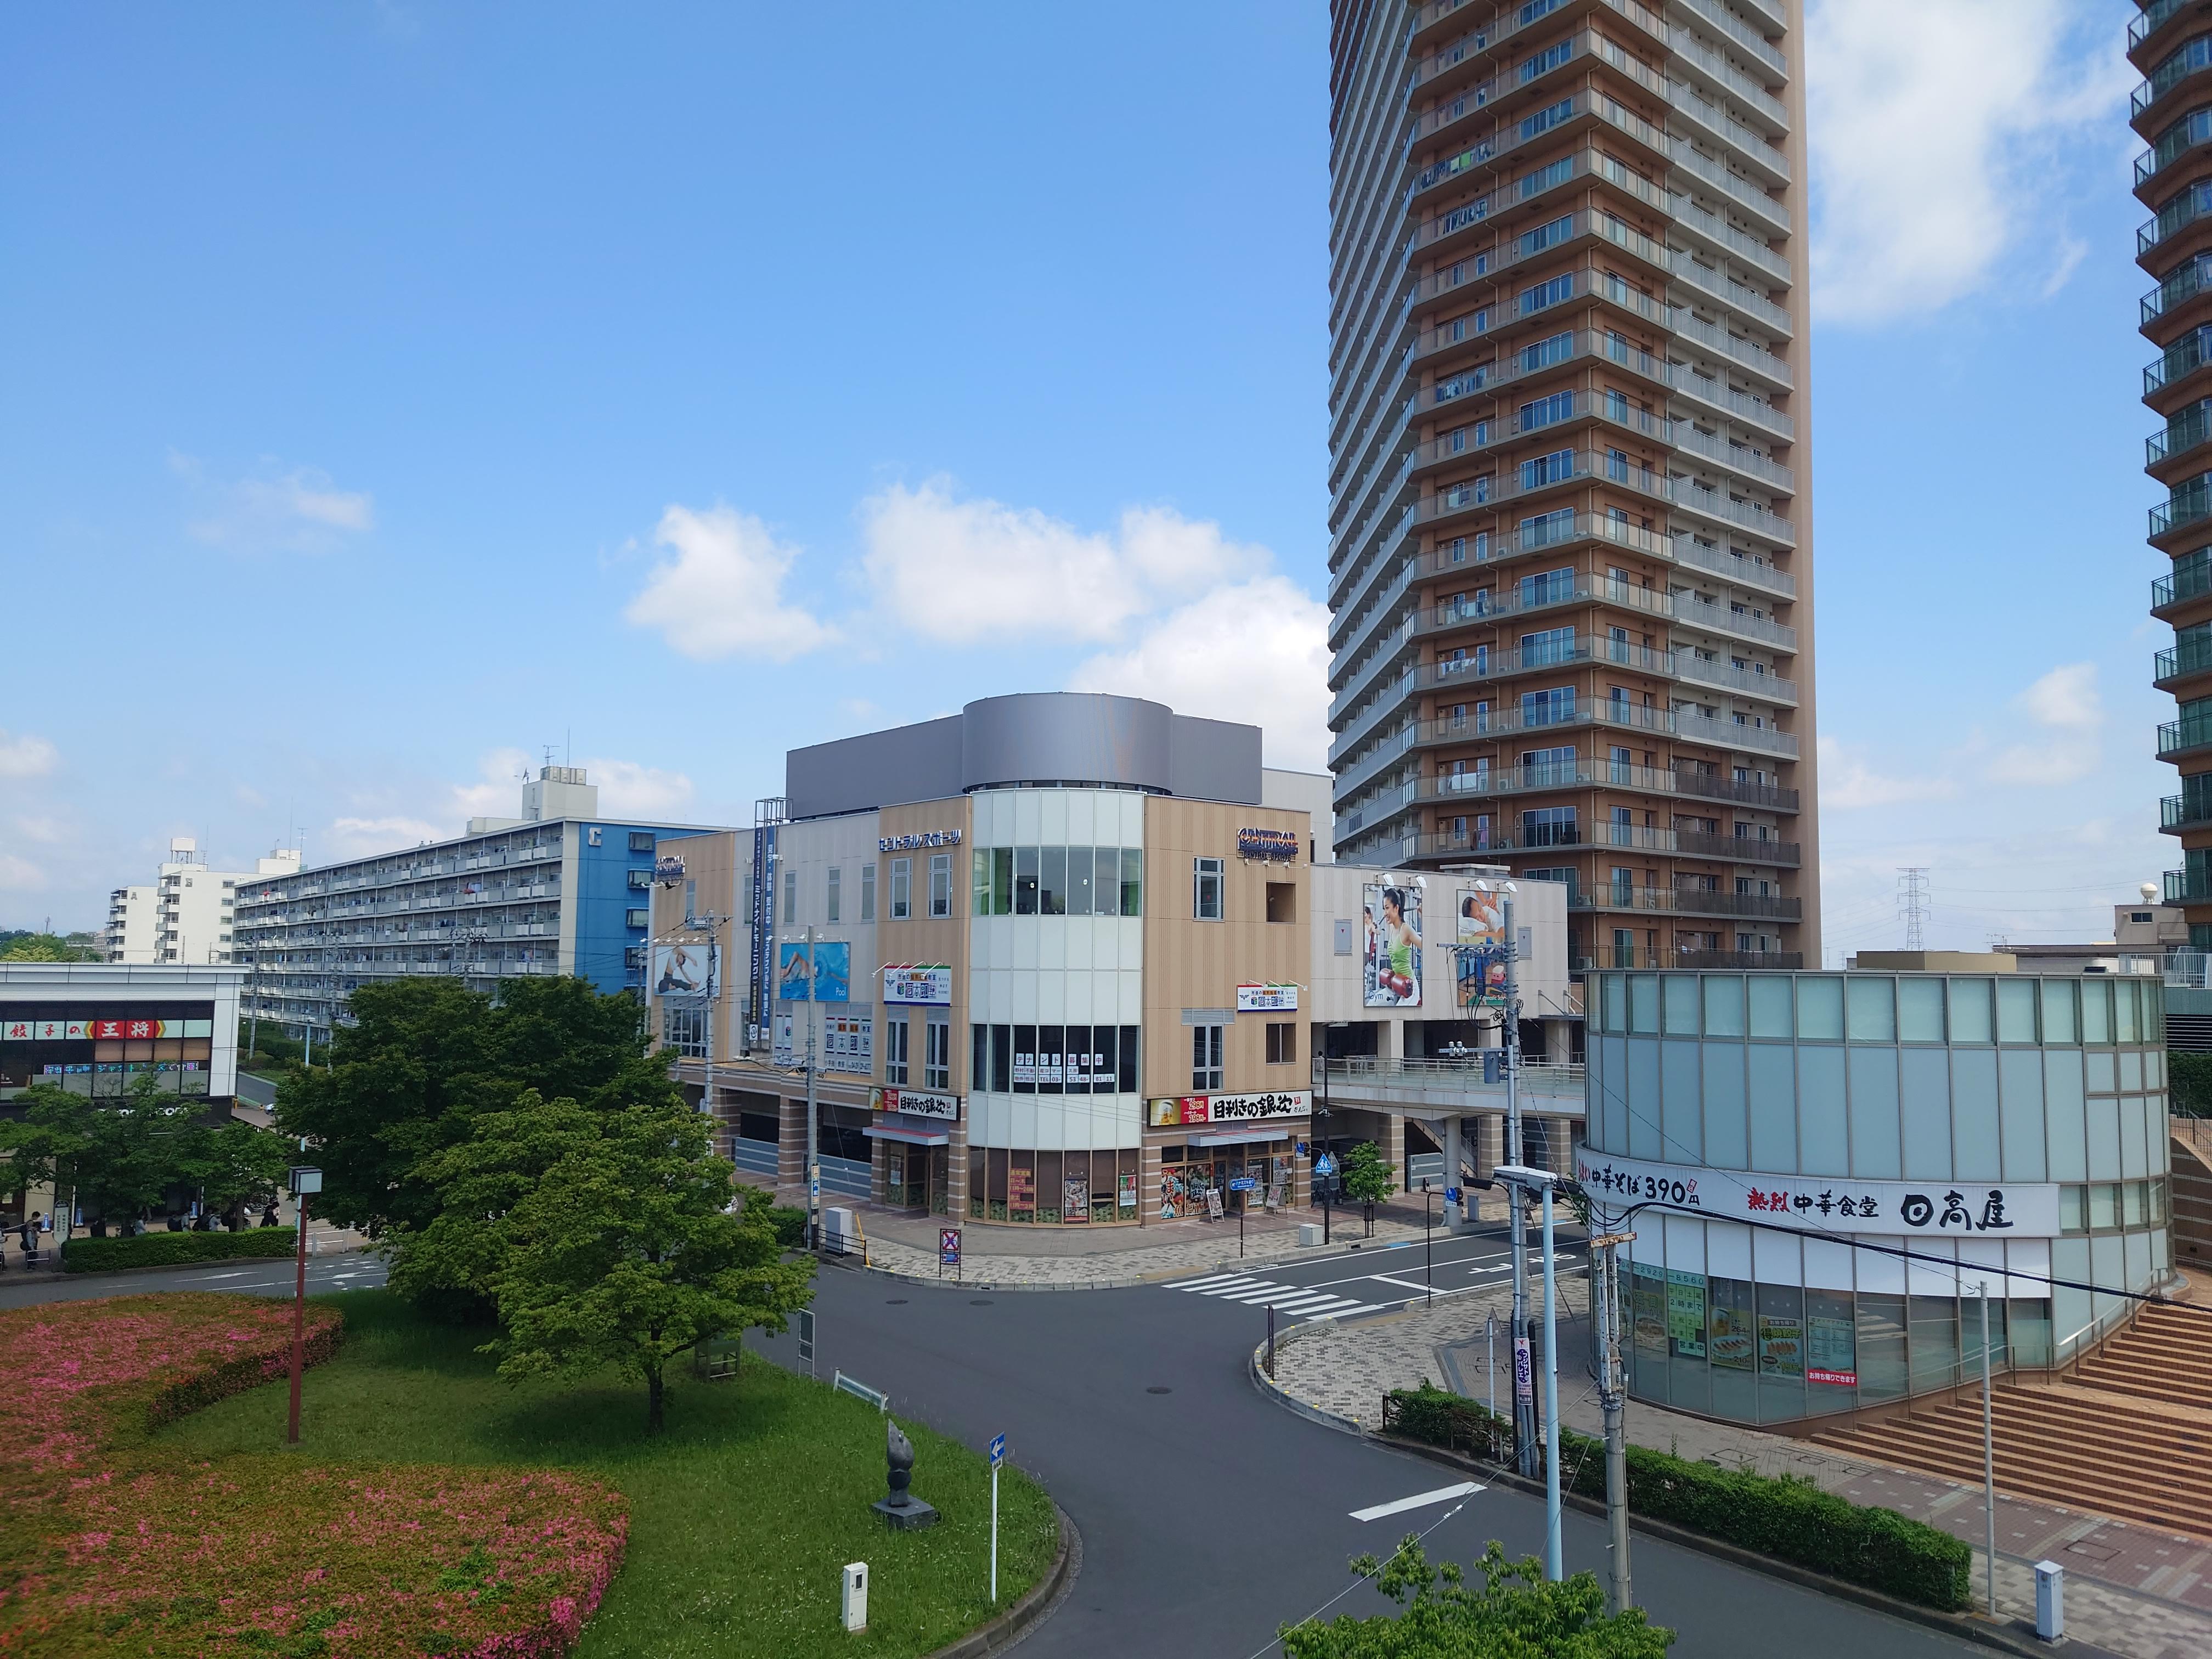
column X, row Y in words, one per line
column 30, row 1230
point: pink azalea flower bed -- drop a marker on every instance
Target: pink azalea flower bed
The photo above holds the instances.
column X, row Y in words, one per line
column 112, row 1547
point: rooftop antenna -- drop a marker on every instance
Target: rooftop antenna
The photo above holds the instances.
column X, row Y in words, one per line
column 568, row 745
column 549, row 754
column 1912, row 903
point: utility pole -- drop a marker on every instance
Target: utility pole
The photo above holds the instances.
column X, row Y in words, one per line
column 1524, row 1404
column 1605, row 1303
column 1519, row 1177
column 1988, row 1460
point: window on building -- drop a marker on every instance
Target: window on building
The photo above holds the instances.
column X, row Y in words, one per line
column 790, row 897
column 1206, row 880
column 683, row 1028
column 1282, row 1043
column 1205, row 1045
column 833, row 906
column 635, row 918
column 937, row 1054
column 641, row 841
column 641, row 879
column 894, row 1053
column 902, row 889
column 867, row 892
column 940, row 885
column 1282, row 901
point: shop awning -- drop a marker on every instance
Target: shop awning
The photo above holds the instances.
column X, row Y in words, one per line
column 1239, row 1137
column 911, row 1137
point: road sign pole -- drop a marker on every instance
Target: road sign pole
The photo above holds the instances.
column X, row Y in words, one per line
column 998, row 1456
column 299, row 1319
column 1553, row 1556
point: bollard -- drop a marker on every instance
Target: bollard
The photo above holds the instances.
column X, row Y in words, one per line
column 855, row 1584
column 2050, row 1601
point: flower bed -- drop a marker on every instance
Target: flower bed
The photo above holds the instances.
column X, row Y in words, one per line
column 135, row 1551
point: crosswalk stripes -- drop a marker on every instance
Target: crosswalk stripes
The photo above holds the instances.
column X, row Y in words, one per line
column 1299, row 1299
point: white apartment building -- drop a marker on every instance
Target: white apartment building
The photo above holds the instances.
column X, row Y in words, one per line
column 185, row 916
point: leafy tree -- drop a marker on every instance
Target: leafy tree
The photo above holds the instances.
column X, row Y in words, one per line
column 1514, row 1614
column 233, row 1166
column 2190, row 1079
column 605, row 1238
column 1368, row 1179
column 426, row 1057
column 46, row 1146
column 49, row 947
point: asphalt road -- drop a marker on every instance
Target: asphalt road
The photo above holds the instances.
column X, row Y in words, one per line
column 350, row 1270
column 1209, row 1514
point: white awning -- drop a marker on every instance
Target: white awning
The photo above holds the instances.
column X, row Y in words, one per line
column 1239, row 1137
column 911, row 1137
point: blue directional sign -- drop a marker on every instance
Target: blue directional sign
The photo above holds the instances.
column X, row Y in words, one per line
column 1242, row 1184
column 1452, row 1195
column 1325, row 1164
column 998, row 1450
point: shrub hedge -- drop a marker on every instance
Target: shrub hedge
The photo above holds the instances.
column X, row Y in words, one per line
column 789, row 1221
column 102, row 1255
column 1786, row 1517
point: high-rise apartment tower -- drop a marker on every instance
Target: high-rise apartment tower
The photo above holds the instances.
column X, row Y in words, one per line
column 1570, row 560
column 2171, row 42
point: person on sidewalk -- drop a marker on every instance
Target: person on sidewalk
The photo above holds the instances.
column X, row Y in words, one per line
column 30, row 1230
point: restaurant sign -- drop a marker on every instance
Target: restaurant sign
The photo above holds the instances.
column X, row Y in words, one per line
column 1166, row 1112
column 916, row 1102
column 1840, row 1205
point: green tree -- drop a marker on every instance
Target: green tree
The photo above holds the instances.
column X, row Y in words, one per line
column 2189, row 1079
column 1514, row 1614
column 141, row 1146
column 606, row 1238
column 233, row 1166
column 49, row 947
column 426, row 1057
column 1368, row 1179
column 47, row 1144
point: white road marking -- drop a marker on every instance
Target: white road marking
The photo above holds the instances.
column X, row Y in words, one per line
column 1232, row 1285
column 1403, row 1284
column 1256, row 1293
column 1211, row 1279
column 1307, row 1303
column 1418, row 1501
column 1340, row 1313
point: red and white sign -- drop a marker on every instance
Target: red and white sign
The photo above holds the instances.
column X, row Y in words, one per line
column 1842, row 1379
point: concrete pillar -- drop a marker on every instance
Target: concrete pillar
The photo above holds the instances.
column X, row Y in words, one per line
column 1454, row 1213
column 956, row 1183
column 1390, row 1039
column 791, row 1145
column 1391, row 1142
column 1489, row 1144
column 1559, row 1042
column 1148, row 1185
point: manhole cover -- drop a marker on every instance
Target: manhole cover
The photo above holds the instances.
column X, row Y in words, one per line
column 979, row 1301
column 893, row 1302
column 1156, row 1389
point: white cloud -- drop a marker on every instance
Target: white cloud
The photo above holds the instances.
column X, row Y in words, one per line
column 363, row 837
column 497, row 793
column 1847, row 781
column 26, row 757
column 2066, row 704
column 1938, row 128
column 21, row 875
column 721, row 594
column 1256, row 651
column 956, row 571
column 46, row 831
column 274, row 509
column 630, row 790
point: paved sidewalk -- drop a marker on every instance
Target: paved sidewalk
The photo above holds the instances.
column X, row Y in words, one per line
column 2131, row 1589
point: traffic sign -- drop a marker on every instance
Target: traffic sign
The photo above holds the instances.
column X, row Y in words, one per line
column 1242, row 1184
column 1325, row 1164
column 948, row 1247
column 998, row 1450
column 1452, row 1195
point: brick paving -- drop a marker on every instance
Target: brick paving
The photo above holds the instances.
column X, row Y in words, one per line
column 2131, row 1589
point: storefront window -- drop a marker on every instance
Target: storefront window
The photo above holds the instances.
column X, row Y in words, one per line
column 1970, row 1338
column 1933, row 1348
column 1970, row 1011
column 1831, row 1346
column 2029, row 1323
column 1687, row 1387
column 2104, row 1206
column 1820, row 1009
column 1781, row 1352
column 1771, row 1015
column 1920, row 1010
column 1881, row 1345
column 1648, row 1325
column 2096, row 1011
column 1734, row 1344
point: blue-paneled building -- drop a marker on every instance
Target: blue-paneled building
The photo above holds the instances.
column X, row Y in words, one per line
column 559, row 890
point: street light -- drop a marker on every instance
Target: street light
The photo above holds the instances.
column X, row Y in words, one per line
column 1521, row 1175
column 306, row 1180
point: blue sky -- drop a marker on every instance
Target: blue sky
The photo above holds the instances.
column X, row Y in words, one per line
column 396, row 389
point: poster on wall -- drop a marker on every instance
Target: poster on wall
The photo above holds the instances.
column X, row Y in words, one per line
column 781, row 1050
column 1781, row 1345
column 1393, row 967
column 1685, row 1313
column 832, row 980
column 1732, row 1339
column 918, row 984
column 1267, row 998
column 848, row 1043
column 684, row 971
column 1075, row 1199
column 1831, row 1352
column 1021, row 1189
column 1480, row 950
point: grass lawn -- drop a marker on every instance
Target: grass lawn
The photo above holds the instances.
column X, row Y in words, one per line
column 742, row 1514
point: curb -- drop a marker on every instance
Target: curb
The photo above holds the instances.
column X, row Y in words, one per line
column 1230, row 1264
column 2010, row 1638
column 1033, row 1609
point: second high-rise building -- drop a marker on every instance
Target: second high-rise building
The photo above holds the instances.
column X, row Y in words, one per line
column 1570, row 583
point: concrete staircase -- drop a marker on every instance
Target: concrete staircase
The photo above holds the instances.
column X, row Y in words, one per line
column 2165, row 1355
column 2079, row 1447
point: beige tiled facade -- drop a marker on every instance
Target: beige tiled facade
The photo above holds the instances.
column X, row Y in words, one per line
column 1570, row 573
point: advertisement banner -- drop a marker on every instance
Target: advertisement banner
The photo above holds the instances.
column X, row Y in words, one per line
column 1481, row 947
column 1269, row 845
column 1267, row 998
column 918, row 984
column 916, row 1102
column 781, row 1050
column 1279, row 1103
column 1167, row 1114
column 1685, row 1313
column 1840, row 1205
column 848, row 1043
column 1392, row 966
column 832, row 980
column 684, row 972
